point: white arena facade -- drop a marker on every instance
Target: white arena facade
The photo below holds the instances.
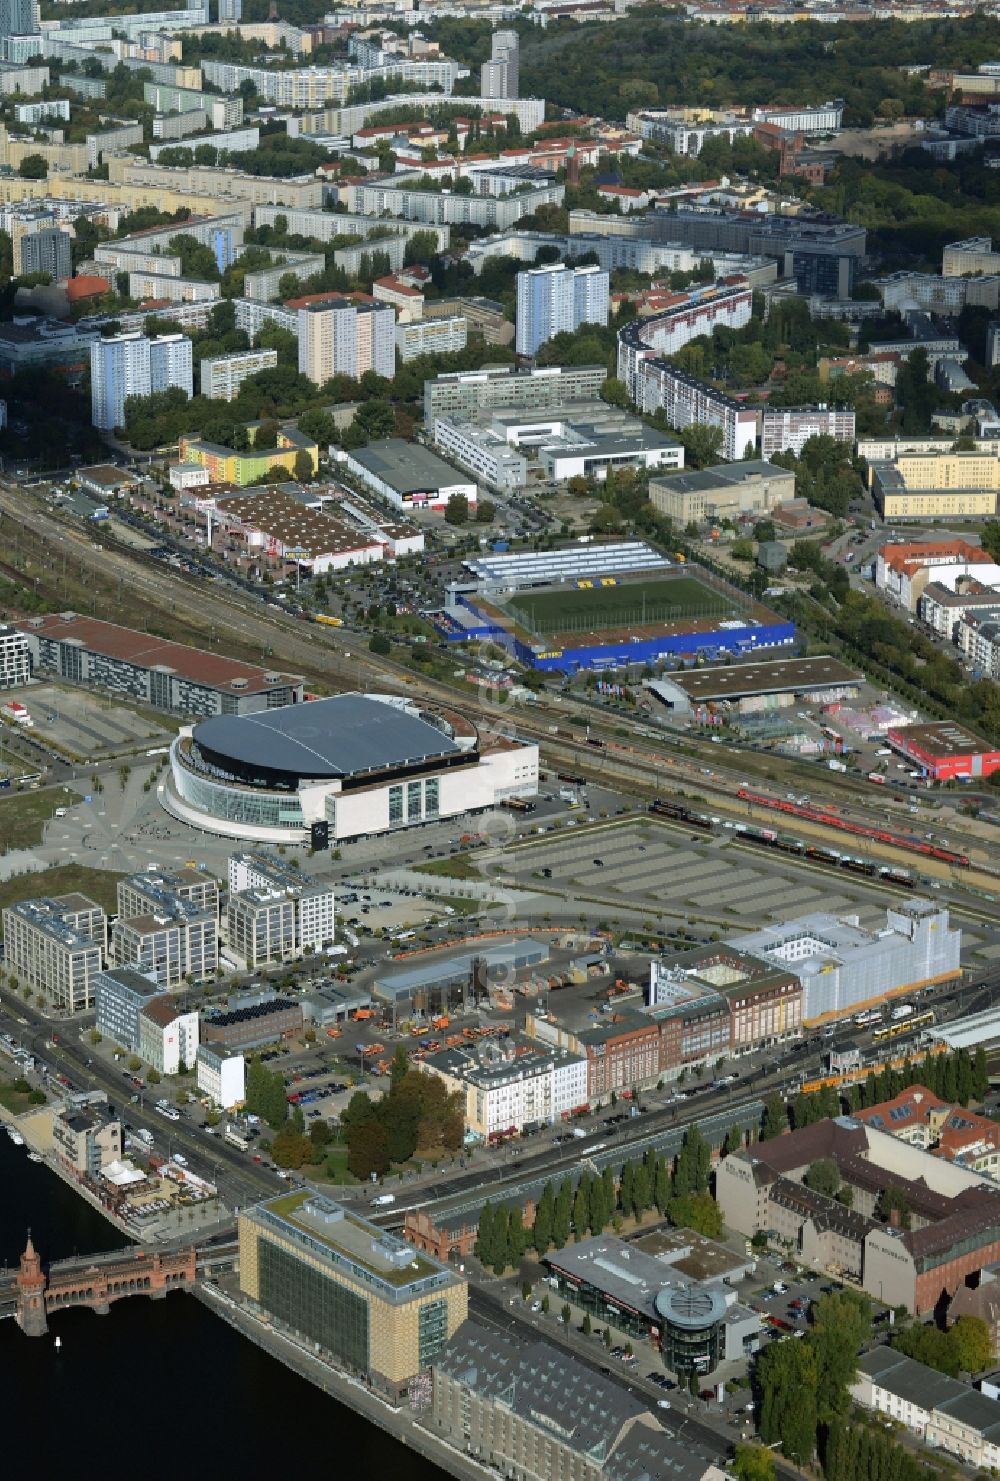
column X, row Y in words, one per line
column 330, row 770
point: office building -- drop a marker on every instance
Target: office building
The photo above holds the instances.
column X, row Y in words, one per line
column 265, row 875
column 167, row 676
column 221, row 1075
column 55, row 948
column 936, row 485
column 15, row 660
column 18, row 18
column 253, row 1020
column 525, row 1409
column 499, row 76
column 557, row 299
column 368, row 1300
column 132, row 365
column 85, row 1139
column 119, row 995
column 168, row 1036
column 465, row 395
column 223, row 375
column 842, row 965
column 230, row 12
column 954, row 1233
column 148, row 890
column 722, row 492
column 47, row 251
column 787, row 429
column 176, row 943
column 338, row 337
column 970, row 258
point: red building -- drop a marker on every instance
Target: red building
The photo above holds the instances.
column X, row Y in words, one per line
column 944, row 751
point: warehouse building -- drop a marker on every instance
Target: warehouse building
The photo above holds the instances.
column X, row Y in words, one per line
column 347, row 767
column 455, row 977
column 722, row 492
column 841, row 965
column 167, row 676
column 733, row 683
column 368, row 1300
column 408, row 475
column 256, row 1019
column 944, row 751
column 528, row 1409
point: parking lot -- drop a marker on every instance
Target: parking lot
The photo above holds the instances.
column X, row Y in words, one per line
column 669, row 870
column 85, row 725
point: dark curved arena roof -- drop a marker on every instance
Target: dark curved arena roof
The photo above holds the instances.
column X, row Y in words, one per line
column 339, row 737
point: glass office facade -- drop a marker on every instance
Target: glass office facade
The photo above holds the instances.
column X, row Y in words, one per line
column 314, row 1304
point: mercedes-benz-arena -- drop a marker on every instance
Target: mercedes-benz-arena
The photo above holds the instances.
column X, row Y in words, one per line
column 341, row 768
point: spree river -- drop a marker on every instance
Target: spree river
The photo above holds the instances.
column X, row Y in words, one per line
column 159, row 1390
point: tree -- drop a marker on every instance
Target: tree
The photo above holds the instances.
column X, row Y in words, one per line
column 541, row 1230
column 367, row 1149
column 485, row 1246
column 303, row 466
column 581, row 1209
column 457, row 510
column 562, row 1214
column 400, row 1066
column 485, row 511
column 585, row 1325
column 697, row 1211
column 775, row 1118
column 754, row 1463
column 379, row 644
column 893, row 1200
column 702, row 445
column 970, row 1338
column 841, row 1323
column 33, row 167
column 823, row 1177
column 788, row 1381
column 566, row 1314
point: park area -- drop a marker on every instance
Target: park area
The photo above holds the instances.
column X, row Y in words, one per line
column 599, row 607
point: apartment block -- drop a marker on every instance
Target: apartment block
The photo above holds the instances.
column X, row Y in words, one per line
column 338, row 337
column 127, row 365
column 55, row 947
column 658, row 385
column 512, row 1087
column 787, row 429
column 223, row 375
column 437, row 336
column 557, row 299
column 973, row 256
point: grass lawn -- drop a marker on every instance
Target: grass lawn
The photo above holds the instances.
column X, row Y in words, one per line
column 459, row 866
column 98, row 884
column 626, row 604
column 22, row 816
column 335, row 1167
column 461, row 906
column 13, row 1100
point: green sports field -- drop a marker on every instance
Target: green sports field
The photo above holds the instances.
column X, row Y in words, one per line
column 629, row 604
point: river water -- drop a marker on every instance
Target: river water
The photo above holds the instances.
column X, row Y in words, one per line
column 157, row 1389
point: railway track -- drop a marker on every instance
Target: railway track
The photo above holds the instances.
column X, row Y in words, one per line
column 338, row 658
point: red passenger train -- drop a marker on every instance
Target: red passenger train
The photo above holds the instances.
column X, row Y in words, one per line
column 818, row 814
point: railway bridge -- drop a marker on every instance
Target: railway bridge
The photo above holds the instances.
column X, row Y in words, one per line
column 34, row 1293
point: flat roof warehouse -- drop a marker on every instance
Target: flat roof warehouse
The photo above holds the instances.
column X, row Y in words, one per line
column 781, row 676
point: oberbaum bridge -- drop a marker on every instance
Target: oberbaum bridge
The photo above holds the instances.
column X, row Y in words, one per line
column 33, row 1293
